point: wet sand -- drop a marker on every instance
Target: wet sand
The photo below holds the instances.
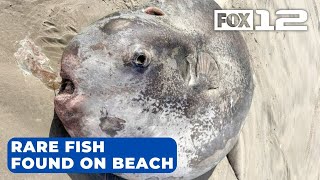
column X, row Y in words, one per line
column 280, row 139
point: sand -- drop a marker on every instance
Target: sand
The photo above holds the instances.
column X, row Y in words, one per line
column 280, row 139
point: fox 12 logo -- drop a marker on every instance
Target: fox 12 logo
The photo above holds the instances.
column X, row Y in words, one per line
column 243, row 20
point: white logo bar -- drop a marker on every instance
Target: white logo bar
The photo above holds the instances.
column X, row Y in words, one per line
column 243, row 20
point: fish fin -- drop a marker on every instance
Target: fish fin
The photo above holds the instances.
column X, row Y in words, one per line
column 191, row 75
column 207, row 70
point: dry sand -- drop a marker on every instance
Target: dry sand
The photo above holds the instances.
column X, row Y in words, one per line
column 280, row 139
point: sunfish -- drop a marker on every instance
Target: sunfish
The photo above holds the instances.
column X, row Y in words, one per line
column 158, row 71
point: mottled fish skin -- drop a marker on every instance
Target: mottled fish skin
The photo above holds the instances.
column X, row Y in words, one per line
column 161, row 72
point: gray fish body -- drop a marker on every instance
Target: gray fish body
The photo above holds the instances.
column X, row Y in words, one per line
column 138, row 74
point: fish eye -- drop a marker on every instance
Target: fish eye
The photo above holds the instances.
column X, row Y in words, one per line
column 141, row 60
column 67, row 87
